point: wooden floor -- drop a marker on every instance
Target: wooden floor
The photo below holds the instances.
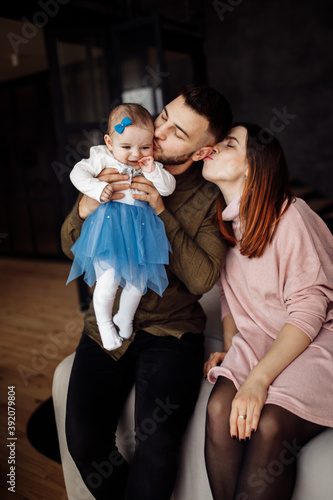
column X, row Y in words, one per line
column 40, row 324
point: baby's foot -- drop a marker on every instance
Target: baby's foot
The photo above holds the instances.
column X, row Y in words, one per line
column 109, row 336
column 125, row 326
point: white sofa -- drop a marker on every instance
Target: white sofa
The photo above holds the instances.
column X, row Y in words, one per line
column 315, row 462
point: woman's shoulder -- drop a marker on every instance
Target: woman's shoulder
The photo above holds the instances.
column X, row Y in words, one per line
column 300, row 215
column 302, row 208
column 301, row 227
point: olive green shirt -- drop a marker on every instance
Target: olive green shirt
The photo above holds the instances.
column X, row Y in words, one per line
column 198, row 254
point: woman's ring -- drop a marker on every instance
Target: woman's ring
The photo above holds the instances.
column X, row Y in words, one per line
column 242, row 416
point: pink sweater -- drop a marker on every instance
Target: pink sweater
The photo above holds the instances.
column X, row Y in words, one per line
column 291, row 283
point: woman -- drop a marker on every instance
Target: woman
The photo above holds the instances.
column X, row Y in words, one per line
column 273, row 387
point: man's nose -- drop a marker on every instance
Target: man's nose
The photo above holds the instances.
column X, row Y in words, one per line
column 161, row 132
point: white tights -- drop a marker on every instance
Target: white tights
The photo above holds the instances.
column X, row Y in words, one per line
column 103, row 299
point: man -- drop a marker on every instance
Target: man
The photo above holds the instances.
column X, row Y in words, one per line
column 164, row 357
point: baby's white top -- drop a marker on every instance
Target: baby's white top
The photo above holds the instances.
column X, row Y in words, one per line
column 84, row 174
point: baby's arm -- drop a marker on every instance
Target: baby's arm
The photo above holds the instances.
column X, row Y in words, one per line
column 147, row 164
column 84, row 174
column 164, row 182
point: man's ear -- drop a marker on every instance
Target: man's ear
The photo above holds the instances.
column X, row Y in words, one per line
column 108, row 142
column 201, row 153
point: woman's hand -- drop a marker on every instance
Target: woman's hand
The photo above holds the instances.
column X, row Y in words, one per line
column 215, row 359
column 248, row 403
column 151, row 195
column 251, row 397
column 88, row 205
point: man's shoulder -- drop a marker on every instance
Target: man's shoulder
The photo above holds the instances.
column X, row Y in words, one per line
column 191, row 184
column 209, row 190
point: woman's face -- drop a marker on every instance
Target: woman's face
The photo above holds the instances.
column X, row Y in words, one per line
column 227, row 165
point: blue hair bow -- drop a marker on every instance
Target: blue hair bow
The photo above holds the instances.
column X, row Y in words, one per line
column 124, row 123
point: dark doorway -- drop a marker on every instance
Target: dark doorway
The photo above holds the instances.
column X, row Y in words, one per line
column 30, row 210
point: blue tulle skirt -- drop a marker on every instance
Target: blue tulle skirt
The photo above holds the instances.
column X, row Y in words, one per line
column 129, row 238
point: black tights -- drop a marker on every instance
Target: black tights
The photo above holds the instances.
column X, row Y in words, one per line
column 265, row 466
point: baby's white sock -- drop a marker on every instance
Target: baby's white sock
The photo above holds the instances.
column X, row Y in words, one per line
column 104, row 295
column 129, row 301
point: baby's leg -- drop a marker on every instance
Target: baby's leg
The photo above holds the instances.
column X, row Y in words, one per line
column 104, row 295
column 129, row 301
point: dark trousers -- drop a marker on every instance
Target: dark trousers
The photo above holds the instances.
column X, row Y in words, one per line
column 167, row 373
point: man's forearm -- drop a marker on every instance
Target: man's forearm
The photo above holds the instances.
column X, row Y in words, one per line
column 197, row 263
column 71, row 229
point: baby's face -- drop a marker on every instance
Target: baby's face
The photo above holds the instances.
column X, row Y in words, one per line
column 132, row 145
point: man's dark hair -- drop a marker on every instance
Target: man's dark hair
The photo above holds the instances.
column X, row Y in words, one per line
column 211, row 104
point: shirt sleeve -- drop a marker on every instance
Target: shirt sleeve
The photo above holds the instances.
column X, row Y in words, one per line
column 306, row 265
column 84, row 173
column 225, row 309
column 71, row 229
column 164, row 182
column 307, row 301
column 196, row 262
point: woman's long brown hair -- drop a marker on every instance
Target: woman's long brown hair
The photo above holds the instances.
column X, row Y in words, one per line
column 266, row 195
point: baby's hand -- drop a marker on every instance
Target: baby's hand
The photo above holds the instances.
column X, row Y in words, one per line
column 106, row 194
column 147, row 164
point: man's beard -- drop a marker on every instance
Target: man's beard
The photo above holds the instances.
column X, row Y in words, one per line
column 172, row 160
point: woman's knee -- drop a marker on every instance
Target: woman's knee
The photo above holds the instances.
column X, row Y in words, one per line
column 270, row 427
column 218, row 410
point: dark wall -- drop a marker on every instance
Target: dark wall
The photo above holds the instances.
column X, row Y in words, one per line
column 275, row 55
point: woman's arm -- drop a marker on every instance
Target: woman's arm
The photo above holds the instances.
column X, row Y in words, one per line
column 216, row 358
column 229, row 331
column 251, row 397
column 306, row 288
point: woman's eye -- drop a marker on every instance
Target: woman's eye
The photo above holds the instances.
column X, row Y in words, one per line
column 230, row 146
column 164, row 118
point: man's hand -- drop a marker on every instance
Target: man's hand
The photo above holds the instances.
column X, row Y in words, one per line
column 152, row 196
column 88, row 205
